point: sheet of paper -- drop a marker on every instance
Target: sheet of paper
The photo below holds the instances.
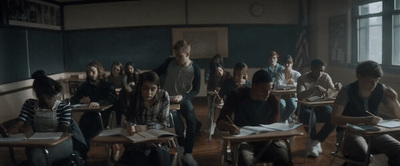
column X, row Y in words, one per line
column 282, row 126
column 46, row 136
column 389, row 123
column 114, row 131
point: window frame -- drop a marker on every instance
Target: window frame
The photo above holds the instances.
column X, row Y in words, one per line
column 387, row 32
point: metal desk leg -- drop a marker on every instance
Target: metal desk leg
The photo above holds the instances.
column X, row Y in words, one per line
column 12, row 156
column 368, row 157
column 235, row 151
column 101, row 120
column 46, row 154
column 224, row 151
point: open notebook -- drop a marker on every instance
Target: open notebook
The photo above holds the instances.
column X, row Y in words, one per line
column 147, row 135
column 249, row 130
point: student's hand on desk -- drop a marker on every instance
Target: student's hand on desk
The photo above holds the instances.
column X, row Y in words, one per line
column 85, row 100
column 338, row 86
column 290, row 82
column 373, row 120
column 177, row 99
column 94, row 105
column 219, row 101
column 233, row 129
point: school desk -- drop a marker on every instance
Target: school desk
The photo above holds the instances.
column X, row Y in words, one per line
column 119, row 139
column 236, row 140
column 44, row 144
column 312, row 105
column 85, row 108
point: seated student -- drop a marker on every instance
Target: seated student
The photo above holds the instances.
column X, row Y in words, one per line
column 214, row 84
column 131, row 76
column 274, row 67
column 130, row 79
column 352, row 105
column 209, row 72
column 254, row 106
column 150, row 105
column 95, row 92
column 47, row 114
column 116, row 75
column 239, row 79
column 285, row 78
column 316, row 83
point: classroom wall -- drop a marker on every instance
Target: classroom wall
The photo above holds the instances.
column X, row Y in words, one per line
column 173, row 12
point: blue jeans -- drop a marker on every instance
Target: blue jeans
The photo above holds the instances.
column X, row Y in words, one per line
column 187, row 111
column 322, row 114
column 288, row 107
column 355, row 147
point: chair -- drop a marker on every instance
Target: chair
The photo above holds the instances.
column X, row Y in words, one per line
column 178, row 154
column 339, row 152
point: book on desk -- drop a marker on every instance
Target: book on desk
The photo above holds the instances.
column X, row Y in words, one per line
column 249, row 130
column 151, row 134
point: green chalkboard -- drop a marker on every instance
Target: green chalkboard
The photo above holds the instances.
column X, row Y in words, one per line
column 13, row 56
column 24, row 51
column 145, row 47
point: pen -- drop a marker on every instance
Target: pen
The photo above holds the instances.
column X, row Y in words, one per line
column 219, row 97
column 230, row 121
column 369, row 113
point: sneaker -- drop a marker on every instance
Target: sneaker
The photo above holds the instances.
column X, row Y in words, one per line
column 188, row 158
column 312, row 149
column 319, row 148
column 213, row 125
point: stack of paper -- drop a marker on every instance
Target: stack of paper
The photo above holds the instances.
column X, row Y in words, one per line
column 393, row 123
column 46, row 136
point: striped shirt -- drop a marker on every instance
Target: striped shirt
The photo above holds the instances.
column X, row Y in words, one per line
column 64, row 115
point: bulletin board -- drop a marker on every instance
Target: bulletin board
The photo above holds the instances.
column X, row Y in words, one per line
column 205, row 42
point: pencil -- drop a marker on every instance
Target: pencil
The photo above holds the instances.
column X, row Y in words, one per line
column 369, row 113
column 230, row 120
column 219, row 97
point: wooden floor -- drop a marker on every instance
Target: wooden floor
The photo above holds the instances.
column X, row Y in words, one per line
column 208, row 153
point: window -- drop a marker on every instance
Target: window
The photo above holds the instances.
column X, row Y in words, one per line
column 370, row 39
column 396, row 40
column 377, row 32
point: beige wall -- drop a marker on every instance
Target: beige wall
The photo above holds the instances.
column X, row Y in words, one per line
column 173, row 12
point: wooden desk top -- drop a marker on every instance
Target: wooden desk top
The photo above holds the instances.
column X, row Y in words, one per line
column 264, row 136
column 36, row 143
column 283, row 91
column 316, row 103
column 173, row 106
column 381, row 131
column 84, row 108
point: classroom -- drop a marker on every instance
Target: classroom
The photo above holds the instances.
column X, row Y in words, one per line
column 342, row 33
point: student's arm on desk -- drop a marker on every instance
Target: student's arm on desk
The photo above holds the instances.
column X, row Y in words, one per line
column 338, row 119
column 302, row 92
column 393, row 103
